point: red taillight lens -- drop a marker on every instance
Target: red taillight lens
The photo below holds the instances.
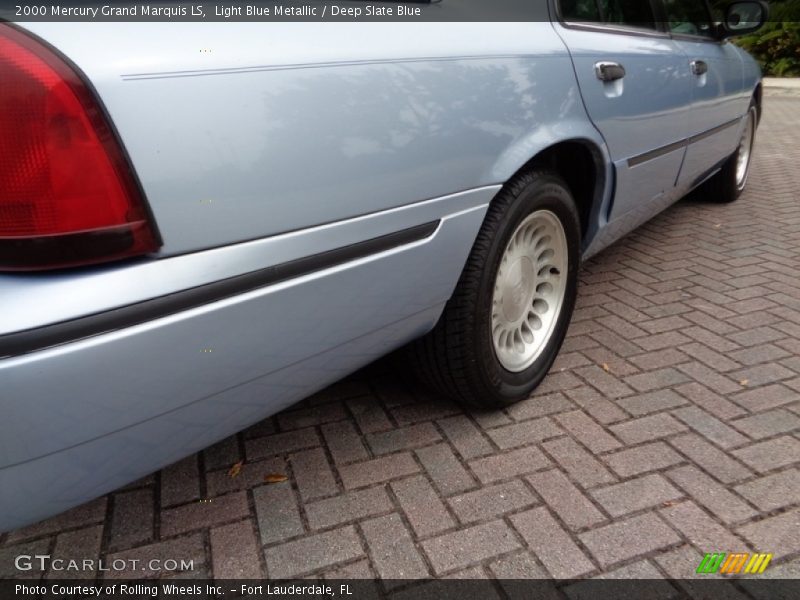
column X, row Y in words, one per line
column 67, row 194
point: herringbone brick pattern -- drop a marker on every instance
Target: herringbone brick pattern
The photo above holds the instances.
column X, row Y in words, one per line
column 669, row 427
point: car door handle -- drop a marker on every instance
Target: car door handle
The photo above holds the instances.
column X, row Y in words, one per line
column 609, row 71
column 699, row 67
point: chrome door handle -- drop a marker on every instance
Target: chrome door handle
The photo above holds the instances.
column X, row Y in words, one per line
column 699, row 67
column 609, row 71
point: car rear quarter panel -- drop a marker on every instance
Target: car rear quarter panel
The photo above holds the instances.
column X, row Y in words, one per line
column 244, row 130
column 300, row 139
column 112, row 407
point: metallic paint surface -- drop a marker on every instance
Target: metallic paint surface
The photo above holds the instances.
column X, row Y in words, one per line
column 646, row 109
column 91, row 291
column 287, row 140
column 102, row 384
column 285, row 126
column 718, row 97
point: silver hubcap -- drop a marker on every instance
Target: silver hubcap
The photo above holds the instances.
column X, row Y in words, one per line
column 529, row 290
column 745, row 151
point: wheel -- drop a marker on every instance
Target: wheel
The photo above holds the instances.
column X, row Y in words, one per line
column 729, row 183
column 502, row 328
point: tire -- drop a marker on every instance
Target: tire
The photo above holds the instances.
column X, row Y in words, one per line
column 727, row 185
column 464, row 357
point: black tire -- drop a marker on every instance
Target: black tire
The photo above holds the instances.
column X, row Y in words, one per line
column 457, row 357
column 724, row 187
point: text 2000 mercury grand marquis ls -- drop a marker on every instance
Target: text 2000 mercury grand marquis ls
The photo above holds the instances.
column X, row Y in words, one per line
column 191, row 241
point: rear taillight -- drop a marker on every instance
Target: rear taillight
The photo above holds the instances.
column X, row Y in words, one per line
column 67, row 194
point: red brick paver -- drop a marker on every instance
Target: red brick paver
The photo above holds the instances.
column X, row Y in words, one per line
column 669, row 427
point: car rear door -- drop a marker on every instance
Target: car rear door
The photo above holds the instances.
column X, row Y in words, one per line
column 636, row 86
column 718, row 98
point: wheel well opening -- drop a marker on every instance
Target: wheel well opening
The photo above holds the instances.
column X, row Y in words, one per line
column 757, row 96
column 579, row 165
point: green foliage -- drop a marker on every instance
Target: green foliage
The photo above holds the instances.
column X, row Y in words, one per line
column 777, row 45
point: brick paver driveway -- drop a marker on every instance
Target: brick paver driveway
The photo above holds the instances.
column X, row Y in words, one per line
column 669, row 427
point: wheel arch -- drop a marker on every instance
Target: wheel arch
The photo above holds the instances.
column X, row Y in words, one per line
column 758, row 94
column 584, row 165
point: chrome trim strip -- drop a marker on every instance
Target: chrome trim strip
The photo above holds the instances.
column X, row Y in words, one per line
column 651, row 154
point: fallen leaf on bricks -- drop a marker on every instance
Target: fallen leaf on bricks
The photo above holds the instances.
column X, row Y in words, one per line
column 235, row 469
column 743, row 382
column 275, row 478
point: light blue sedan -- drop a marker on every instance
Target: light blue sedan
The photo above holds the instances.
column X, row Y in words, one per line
column 203, row 223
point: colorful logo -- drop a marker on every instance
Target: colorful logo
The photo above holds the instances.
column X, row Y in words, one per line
column 742, row 562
